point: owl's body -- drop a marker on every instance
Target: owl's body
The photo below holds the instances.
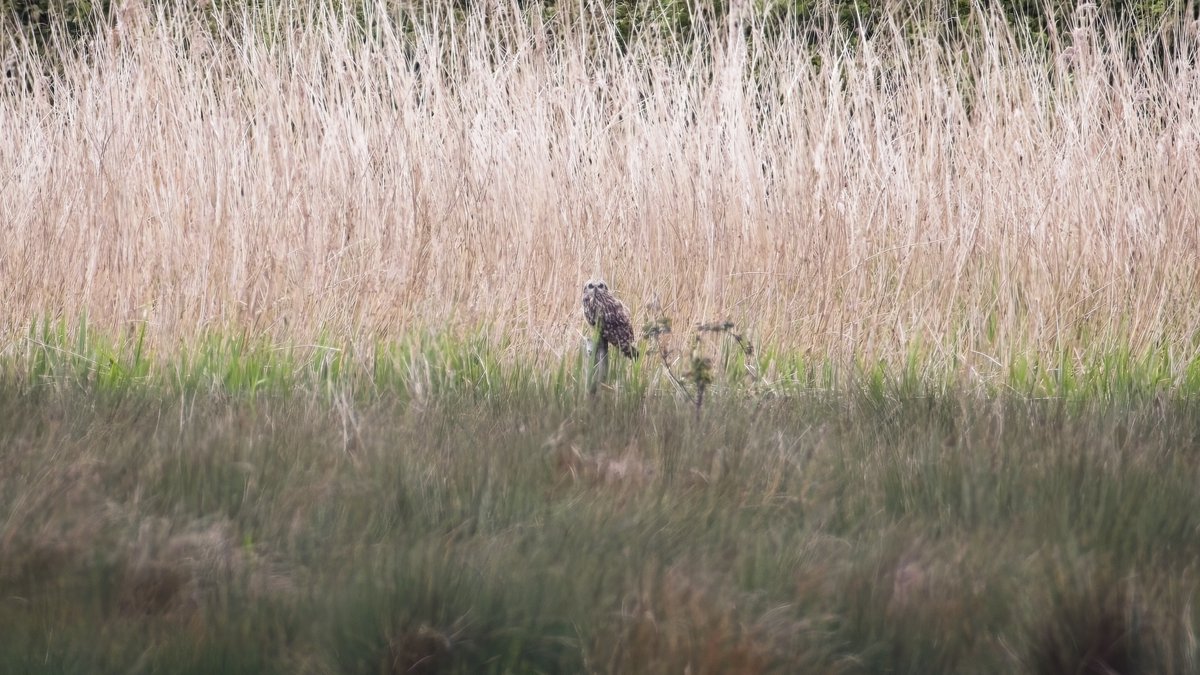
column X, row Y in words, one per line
column 599, row 305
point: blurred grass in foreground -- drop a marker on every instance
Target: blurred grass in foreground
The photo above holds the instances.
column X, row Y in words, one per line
column 242, row 508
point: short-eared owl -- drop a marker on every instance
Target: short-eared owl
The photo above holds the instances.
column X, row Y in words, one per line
column 615, row 329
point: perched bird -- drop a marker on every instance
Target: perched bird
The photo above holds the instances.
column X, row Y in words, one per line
column 599, row 305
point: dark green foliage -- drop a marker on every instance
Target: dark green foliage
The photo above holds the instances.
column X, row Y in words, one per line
column 75, row 18
column 681, row 18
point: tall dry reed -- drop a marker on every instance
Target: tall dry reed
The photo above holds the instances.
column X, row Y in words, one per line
column 288, row 175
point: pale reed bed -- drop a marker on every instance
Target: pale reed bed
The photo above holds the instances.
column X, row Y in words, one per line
column 289, row 177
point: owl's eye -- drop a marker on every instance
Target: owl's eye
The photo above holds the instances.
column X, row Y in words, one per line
column 602, row 286
column 591, row 285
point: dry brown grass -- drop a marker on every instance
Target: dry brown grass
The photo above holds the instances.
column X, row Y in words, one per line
column 678, row 622
column 982, row 200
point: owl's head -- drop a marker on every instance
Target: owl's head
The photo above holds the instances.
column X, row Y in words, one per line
column 594, row 286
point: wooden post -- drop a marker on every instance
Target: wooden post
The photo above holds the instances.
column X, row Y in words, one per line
column 599, row 369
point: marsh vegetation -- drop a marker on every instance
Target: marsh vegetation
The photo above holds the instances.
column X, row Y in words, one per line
column 291, row 376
